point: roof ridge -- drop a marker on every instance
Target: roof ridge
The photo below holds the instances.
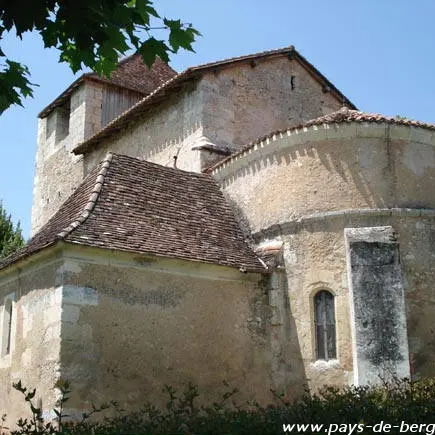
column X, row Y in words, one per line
column 93, row 198
column 342, row 115
column 120, row 62
column 264, row 53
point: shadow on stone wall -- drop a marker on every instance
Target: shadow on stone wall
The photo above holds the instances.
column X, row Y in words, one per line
column 372, row 173
column 288, row 369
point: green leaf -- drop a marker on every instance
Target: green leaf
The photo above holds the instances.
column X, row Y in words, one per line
column 14, row 84
column 152, row 48
column 50, row 34
column 90, row 33
column 116, row 40
column 179, row 36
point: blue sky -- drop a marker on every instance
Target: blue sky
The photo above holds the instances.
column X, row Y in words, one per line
column 379, row 53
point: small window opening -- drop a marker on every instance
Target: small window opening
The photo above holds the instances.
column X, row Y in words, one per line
column 7, row 328
column 62, row 124
column 325, row 325
column 293, row 82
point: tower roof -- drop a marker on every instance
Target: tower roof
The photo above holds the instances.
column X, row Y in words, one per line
column 132, row 205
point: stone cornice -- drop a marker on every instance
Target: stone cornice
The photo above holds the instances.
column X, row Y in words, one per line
column 293, row 137
column 322, row 217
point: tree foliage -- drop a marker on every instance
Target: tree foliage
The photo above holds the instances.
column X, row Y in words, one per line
column 87, row 33
column 10, row 237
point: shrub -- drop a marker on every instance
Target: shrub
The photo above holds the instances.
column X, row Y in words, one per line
column 392, row 403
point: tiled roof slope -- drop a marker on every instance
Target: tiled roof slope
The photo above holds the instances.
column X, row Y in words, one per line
column 343, row 115
column 131, row 73
column 347, row 115
column 133, row 205
column 178, row 81
column 70, row 211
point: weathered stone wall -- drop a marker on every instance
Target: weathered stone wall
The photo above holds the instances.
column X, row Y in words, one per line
column 171, row 128
column 130, row 324
column 133, row 325
column 380, row 342
column 121, row 326
column 228, row 108
column 58, row 172
column 315, row 260
column 245, row 102
column 56, row 178
column 305, row 188
column 35, row 337
column 331, row 168
column 314, row 253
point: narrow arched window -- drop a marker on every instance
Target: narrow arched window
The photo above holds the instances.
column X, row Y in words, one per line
column 325, row 325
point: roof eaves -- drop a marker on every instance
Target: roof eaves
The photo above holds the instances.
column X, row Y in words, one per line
column 68, row 91
column 328, row 86
column 108, row 82
column 62, row 97
column 8, row 261
column 261, row 268
column 63, row 235
column 231, row 61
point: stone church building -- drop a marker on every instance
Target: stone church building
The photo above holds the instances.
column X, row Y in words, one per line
column 240, row 221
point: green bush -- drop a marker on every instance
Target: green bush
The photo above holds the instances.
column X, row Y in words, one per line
column 410, row 402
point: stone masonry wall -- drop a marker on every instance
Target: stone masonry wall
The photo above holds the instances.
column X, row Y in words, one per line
column 304, row 188
column 55, row 180
column 35, row 334
column 133, row 329
column 245, row 102
column 58, row 172
column 92, row 121
column 170, row 128
column 329, row 169
column 228, row 108
column 380, row 342
column 315, row 259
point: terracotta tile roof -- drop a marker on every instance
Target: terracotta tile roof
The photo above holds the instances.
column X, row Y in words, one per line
column 133, row 205
column 344, row 115
column 178, row 81
column 131, row 74
column 347, row 115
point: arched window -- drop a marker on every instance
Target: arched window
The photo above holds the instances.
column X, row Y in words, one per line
column 7, row 328
column 325, row 325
